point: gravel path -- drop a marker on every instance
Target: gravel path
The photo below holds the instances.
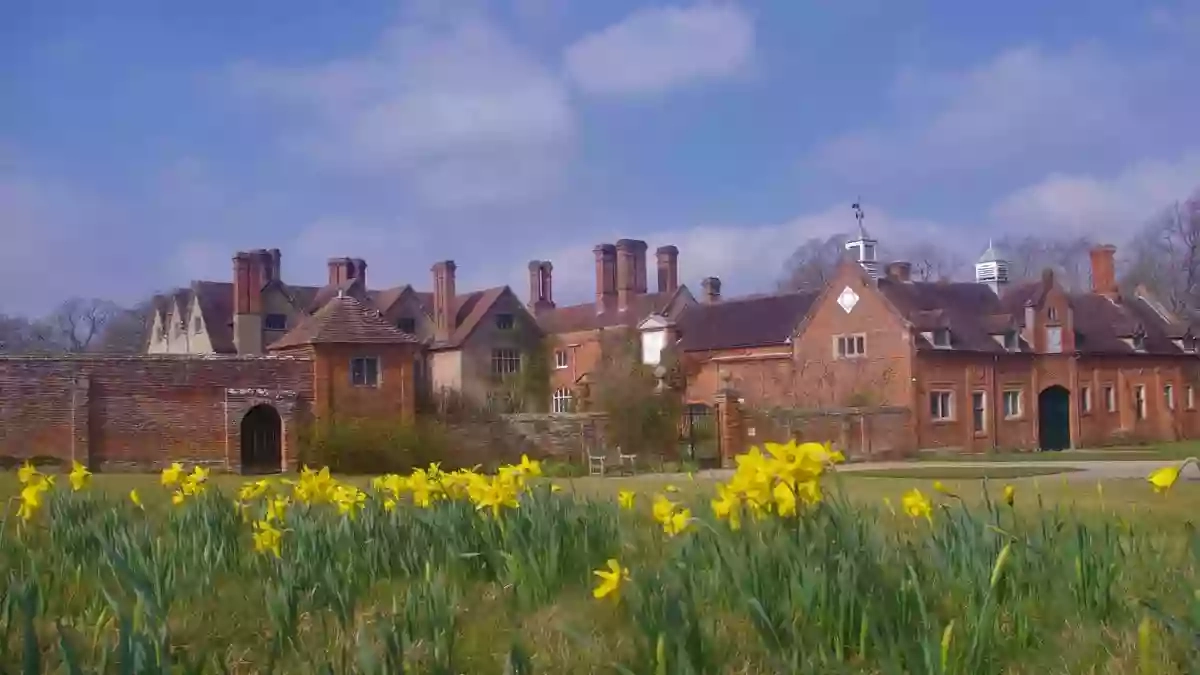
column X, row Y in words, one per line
column 1089, row 470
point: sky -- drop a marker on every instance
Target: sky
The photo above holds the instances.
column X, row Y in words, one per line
column 142, row 143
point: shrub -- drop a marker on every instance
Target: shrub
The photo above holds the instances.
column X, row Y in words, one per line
column 372, row 446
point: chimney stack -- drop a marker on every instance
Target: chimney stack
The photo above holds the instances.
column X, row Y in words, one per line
column 712, row 289
column 1104, row 271
column 340, row 270
column 631, row 275
column 358, row 271
column 606, row 276
column 444, row 310
column 640, row 277
column 248, row 281
column 541, row 289
column 668, row 268
column 900, row 271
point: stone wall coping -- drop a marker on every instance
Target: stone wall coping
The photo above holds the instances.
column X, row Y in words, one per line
column 142, row 358
column 834, row 412
column 261, row 393
column 550, row 417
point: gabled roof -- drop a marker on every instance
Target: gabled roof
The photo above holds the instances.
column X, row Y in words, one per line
column 967, row 309
column 343, row 320
column 584, row 317
column 755, row 321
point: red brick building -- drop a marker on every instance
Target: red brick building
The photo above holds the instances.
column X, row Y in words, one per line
column 979, row 365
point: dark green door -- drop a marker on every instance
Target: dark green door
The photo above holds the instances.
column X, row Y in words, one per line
column 1054, row 418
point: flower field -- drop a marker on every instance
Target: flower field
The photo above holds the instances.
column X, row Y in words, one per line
column 774, row 571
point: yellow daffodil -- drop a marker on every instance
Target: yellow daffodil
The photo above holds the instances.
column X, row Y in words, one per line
column 136, row 498
column 31, row 499
column 1163, row 479
column 1010, row 494
column 727, row 506
column 887, row 501
column 267, row 539
column 529, row 467
column 917, row 505
column 625, row 499
column 555, row 488
column 672, row 488
column 172, row 474
column 27, row 473
column 79, row 476
column 178, row 498
column 610, row 580
column 678, row 522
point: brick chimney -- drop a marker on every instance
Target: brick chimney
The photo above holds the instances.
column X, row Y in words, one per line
column 712, row 289
column 640, row 277
column 626, row 272
column 444, row 310
column 899, row 271
column 541, row 289
column 1104, row 271
column 606, row 276
column 358, row 272
column 269, row 260
column 668, row 268
column 248, row 281
column 340, row 270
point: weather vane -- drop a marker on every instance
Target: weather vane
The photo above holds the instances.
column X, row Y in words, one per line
column 858, row 212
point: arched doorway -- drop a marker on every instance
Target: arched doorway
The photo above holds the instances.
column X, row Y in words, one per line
column 262, row 440
column 1054, row 418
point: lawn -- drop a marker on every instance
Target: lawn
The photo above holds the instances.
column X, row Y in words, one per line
column 1163, row 452
column 1058, row 582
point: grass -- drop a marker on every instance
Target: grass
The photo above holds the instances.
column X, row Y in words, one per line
column 962, row 472
column 1164, row 452
column 850, row 588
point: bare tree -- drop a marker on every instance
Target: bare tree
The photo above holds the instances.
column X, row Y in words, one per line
column 812, row 264
column 1165, row 256
column 1029, row 255
column 127, row 330
column 16, row 335
column 931, row 262
column 75, row 324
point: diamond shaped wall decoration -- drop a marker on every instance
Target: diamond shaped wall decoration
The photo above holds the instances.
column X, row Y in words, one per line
column 847, row 299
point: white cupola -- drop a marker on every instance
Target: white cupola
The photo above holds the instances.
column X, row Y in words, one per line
column 992, row 269
column 863, row 247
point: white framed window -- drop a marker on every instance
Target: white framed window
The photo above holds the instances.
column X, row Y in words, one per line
column 561, row 401
column 1190, row 397
column 1054, row 340
column 1013, row 405
column 1169, row 396
column 653, row 342
column 1085, row 399
column 561, row 359
column 364, row 371
column 941, row 405
column 941, row 338
column 979, row 411
column 1110, row 399
column 506, row 362
column 1139, row 401
column 850, row 346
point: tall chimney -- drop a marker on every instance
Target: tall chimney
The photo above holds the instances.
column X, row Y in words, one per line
column 276, row 260
column 358, row 272
column 1104, row 271
column 247, row 302
column 668, row 268
column 606, row 276
column 712, row 289
column 444, row 310
column 541, row 289
column 640, row 280
column 340, row 270
column 626, row 272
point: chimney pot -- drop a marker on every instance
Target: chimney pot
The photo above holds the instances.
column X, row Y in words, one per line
column 668, row 268
column 606, row 276
column 712, row 289
column 444, row 309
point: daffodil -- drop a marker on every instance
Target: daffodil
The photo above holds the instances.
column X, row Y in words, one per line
column 172, row 474
column 31, row 499
column 728, row 506
column 917, row 505
column 1010, row 494
column 27, row 473
column 610, row 580
column 678, row 522
column 136, row 498
column 267, row 538
column 1163, row 479
column 529, row 467
column 625, row 499
column 79, row 476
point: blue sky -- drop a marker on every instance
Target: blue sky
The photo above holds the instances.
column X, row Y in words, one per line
column 142, row 143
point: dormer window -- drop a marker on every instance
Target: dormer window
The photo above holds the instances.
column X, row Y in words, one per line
column 941, row 338
column 275, row 322
column 504, row 321
column 407, row 324
column 1186, row 345
column 1139, row 343
column 1010, row 341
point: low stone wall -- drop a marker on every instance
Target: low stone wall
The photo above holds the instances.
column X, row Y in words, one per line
column 561, row 436
column 861, row 433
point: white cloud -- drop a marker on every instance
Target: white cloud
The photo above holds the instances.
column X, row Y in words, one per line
column 1027, row 106
column 460, row 115
column 1100, row 206
column 653, row 50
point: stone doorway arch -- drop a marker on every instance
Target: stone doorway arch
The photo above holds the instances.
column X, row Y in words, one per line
column 1054, row 418
column 261, row 432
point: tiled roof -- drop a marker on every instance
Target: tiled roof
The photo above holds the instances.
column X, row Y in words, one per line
column 583, row 317
column 216, row 307
column 343, row 320
column 973, row 314
column 757, row 321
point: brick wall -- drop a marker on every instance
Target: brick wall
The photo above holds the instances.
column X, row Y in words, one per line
column 860, row 433
column 144, row 411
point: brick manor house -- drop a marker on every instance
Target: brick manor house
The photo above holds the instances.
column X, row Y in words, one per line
column 233, row 369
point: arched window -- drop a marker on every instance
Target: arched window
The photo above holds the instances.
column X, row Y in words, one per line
column 561, row 401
